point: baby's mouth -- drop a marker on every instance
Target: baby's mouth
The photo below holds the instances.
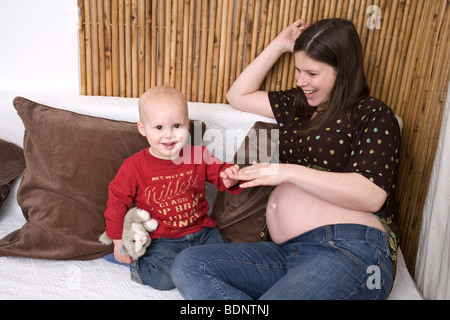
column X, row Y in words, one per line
column 169, row 144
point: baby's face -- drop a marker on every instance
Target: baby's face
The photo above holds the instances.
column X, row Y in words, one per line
column 165, row 124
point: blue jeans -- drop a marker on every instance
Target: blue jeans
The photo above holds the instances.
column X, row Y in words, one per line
column 153, row 268
column 344, row 261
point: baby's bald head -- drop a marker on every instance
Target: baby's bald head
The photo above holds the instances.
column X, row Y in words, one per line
column 159, row 96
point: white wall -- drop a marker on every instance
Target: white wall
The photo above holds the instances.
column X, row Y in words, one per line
column 39, row 46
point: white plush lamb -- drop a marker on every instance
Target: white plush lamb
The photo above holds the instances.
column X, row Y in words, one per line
column 135, row 238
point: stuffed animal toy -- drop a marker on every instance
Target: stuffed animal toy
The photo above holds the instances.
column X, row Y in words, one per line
column 135, row 238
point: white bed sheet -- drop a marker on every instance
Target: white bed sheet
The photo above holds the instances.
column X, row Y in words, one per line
column 24, row 278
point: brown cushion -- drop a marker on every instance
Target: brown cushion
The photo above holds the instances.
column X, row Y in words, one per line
column 240, row 217
column 12, row 164
column 70, row 160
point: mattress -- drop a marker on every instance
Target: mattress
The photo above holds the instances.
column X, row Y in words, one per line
column 26, row 278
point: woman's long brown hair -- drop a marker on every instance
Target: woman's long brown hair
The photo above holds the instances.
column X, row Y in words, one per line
column 336, row 43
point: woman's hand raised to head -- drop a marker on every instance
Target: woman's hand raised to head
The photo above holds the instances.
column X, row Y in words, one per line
column 287, row 37
column 245, row 93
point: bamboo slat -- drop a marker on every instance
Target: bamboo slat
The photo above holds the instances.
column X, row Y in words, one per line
column 108, row 49
column 201, row 46
column 161, row 44
column 235, row 41
column 358, row 16
column 196, row 62
column 204, row 37
column 380, row 47
column 187, row 35
column 95, row 63
column 115, row 47
column 226, row 50
column 271, row 77
column 101, row 49
column 141, row 53
column 122, row 57
column 166, row 52
column 147, row 44
column 241, row 41
column 82, row 44
column 212, row 89
column 178, row 39
column 134, row 49
column 128, row 47
column 390, row 67
column 88, row 46
column 173, row 44
column 262, row 26
column 289, row 70
column 254, row 8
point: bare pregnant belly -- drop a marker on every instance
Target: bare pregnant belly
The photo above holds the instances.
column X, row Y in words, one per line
column 292, row 211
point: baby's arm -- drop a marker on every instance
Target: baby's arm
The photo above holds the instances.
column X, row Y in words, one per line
column 121, row 193
column 226, row 174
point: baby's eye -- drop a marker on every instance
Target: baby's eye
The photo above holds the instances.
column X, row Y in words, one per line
column 158, row 127
column 177, row 126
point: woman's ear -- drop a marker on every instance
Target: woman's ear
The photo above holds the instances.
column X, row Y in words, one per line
column 141, row 128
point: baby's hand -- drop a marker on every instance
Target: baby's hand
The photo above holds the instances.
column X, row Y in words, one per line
column 123, row 258
column 228, row 174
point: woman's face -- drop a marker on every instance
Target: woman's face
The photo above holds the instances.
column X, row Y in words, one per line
column 315, row 78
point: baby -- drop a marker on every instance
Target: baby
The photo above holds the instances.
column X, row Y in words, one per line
column 167, row 180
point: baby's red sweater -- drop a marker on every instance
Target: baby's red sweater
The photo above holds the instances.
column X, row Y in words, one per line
column 173, row 192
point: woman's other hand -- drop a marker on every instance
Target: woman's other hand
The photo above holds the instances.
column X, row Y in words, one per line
column 287, row 37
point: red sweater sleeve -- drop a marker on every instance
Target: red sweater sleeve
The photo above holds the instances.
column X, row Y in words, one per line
column 121, row 193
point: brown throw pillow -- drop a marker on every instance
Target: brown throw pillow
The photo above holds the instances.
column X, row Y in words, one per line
column 12, row 164
column 240, row 216
column 70, row 161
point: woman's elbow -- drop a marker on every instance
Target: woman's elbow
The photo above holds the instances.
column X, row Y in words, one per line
column 232, row 99
column 377, row 200
column 229, row 97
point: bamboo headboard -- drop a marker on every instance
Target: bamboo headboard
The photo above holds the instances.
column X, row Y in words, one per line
column 200, row 47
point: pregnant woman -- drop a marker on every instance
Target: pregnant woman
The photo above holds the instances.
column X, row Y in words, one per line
column 330, row 216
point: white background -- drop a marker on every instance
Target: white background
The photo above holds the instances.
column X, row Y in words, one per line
column 39, row 46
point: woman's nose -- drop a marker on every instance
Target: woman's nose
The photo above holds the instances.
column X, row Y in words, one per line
column 301, row 81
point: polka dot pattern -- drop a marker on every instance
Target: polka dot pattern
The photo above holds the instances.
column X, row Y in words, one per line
column 368, row 143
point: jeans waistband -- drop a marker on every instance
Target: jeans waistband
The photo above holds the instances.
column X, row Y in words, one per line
column 344, row 232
